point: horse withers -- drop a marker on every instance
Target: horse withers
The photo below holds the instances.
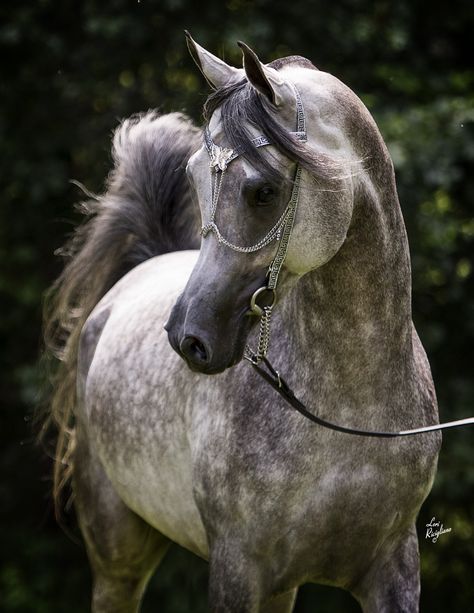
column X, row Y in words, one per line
column 297, row 196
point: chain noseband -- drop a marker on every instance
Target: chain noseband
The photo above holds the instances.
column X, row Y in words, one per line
column 220, row 158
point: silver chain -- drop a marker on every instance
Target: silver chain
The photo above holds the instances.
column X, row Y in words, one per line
column 264, row 334
column 281, row 229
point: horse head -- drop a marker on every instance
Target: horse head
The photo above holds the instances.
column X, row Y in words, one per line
column 275, row 145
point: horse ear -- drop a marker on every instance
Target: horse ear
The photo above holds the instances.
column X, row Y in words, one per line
column 216, row 72
column 265, row 79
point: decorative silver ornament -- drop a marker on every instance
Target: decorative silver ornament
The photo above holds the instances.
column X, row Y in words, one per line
column 220, row 157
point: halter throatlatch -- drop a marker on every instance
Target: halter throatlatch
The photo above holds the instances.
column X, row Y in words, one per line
column 221, row 157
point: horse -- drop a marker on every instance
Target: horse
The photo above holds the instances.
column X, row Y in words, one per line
column 166, row 432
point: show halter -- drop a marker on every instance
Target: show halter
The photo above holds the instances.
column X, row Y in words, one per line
column 220, row 158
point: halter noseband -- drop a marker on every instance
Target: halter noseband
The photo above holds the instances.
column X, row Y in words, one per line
column 221, row 157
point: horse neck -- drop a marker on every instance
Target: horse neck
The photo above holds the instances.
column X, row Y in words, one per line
column 351, row 318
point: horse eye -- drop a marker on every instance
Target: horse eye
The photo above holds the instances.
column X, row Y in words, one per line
column 265, row 195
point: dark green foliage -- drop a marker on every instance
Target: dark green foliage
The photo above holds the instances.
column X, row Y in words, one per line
column 70, row 70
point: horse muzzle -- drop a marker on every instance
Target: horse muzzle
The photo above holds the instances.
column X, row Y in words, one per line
column 211, row 335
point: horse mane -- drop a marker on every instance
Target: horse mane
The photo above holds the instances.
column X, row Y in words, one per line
column 242, row 105
column 292, row 60
column 147, row 210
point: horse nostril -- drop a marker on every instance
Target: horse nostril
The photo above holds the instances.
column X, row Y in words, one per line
column 194, row 350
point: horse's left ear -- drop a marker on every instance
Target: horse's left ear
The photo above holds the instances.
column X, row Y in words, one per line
column 216, row 72
column 265, row 79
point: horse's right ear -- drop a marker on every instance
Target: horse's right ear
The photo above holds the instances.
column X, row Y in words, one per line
column 216, row 72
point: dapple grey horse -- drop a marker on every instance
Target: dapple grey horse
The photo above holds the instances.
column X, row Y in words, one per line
column 162, row 452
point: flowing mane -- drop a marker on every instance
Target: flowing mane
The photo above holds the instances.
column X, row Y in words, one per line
column 146, row 210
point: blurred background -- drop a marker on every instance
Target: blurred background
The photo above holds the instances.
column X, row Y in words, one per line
column 70, row 71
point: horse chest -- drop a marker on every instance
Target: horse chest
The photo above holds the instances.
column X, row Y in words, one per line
column 325, row 509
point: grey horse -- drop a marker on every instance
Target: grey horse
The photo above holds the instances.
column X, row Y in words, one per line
column 161, row 452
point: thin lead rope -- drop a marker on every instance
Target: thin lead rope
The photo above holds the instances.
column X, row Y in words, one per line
column 274, row 378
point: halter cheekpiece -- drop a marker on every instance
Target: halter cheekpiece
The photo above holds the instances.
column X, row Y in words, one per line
column 220, row 158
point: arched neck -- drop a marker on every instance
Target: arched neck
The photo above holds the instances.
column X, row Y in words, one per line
column 352, row 316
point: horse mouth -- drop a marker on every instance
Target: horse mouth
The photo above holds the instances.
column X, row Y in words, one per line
column 217, row 370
